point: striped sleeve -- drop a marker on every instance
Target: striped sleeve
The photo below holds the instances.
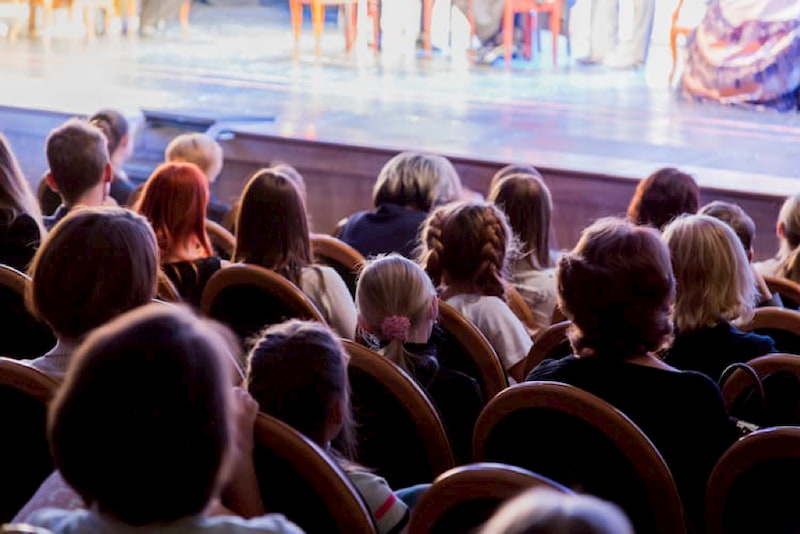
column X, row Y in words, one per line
column 389, row 512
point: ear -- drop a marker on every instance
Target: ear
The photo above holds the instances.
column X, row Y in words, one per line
column 781, row 229
column 108, row 174
column 50, row 181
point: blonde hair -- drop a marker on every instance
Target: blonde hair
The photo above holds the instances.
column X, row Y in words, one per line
column 392, row 287
column 421, row 181
column 789, row 253
column 714, row 279
column 545, row 511
column 197, row 148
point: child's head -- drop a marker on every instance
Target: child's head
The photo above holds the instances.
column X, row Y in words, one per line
column 174, row 200
column 197, row 148
column 95, row 264
column 508, row 170
column 662, row 196
column 78, row 159
column 526, row 201
column 544, row 511
column 115, row 127
column 466, row 245
column 735, row 217
column 271, row 229
column 714, row 279
column 418, row 181
column 141, row 426
column 297, row 372
column 396, row 303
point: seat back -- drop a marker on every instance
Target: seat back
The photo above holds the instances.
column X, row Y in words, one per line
column 400, row 434
column 248, row 297
column 23, row 335
column 781, row 324
column 221, row 239
column 465, row 497
column 581, row 441
column 779, row 375
column 462, row 347
column 753, row 487
column 298, row 479
column 24, row 452
column 340, row 256
column 552, row 342
column 787, row 289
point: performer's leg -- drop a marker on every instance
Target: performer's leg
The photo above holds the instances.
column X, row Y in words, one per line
column 643, row 12
column 604, row 28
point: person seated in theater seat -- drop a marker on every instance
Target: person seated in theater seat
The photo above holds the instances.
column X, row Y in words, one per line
column 526, row 201
column 115, row 127
column 745, row 229
column 662, row 196
column 297, row 372
column 150, row 434
column 408, row 187
column 786, row 263
column 80, row 171
column 465, row 250
column 715, row 287
column 272, row 232
column 21, row 228
column 542, row 510
column 206, row 153
column 95, row 264
column 397, row 310
column 617, row 288
column 174, row 200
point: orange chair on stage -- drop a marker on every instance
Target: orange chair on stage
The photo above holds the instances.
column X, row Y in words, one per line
column 674, row 31
column 318, row 20
column 555, row 8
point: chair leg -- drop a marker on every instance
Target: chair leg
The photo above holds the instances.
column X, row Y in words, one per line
column 427, row 15
column 17, row 27
column 351, row 20
column 508, row 30
column 527, row 28
column 374, row 10
column 471, row 22
column 317, row 22
column 555, row 28
column 183, row 15
column 296, row 12
column 673, row 47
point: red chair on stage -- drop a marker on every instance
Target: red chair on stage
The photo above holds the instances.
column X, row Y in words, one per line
column 318, row 20
column 555, row 8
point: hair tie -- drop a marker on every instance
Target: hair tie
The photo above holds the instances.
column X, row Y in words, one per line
column 396, row 327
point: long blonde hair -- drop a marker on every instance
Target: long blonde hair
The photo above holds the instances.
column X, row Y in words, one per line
column 714, row 279
column 16, row 197
column 394, row 296
column 789, row 253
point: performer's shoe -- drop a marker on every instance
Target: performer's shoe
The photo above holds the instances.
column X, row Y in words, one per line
column 589, row 60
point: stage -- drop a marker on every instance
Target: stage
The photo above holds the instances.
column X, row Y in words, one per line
column 593, row 130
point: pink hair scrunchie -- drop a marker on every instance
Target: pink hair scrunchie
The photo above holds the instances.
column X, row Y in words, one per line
column 396, row 327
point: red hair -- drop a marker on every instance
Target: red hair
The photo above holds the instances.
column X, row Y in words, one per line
column 174, row 199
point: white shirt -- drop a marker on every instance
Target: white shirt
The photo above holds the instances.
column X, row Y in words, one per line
column 538, row 289
column 326, row 289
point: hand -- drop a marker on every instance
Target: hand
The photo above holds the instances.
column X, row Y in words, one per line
column 245, row 410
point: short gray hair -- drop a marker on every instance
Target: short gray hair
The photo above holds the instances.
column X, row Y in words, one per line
column 420, row 181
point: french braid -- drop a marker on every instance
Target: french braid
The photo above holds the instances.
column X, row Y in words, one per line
column 489, row 277
column 434, row 251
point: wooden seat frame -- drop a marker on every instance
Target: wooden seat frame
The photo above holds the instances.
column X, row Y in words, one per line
column 783, row 287
column 337, row 250
column 774, row 318
column 739, row 381
column 220, row 237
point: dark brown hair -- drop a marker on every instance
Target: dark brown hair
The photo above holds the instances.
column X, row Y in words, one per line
column 114, row 126
column 616, row 287
column 508, row 170
column 77, row 156
column 662, row 196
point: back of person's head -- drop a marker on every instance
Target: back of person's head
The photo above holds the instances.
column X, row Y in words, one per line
column 735, row 217
column 616, row 286
column 114, row 126
column 544, row 511
column 789, row 234
column 467, row 244
column 78, row 157
column 174, row 200
column 95, row 264
column 526, row 201
column 141, row 426
column 394, row 297
column 714, row 280
column 16, row 197
column 418, row 181
column 294, row 175
column 271, row 229
column 197, row 148
column 662, row 196
column 508, row 170
column 297, row 372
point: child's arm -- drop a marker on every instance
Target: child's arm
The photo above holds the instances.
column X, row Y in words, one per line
column 241, row 493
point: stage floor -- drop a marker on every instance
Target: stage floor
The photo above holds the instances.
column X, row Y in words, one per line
column 237, row 63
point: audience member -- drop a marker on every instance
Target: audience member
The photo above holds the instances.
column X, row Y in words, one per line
column 508, row 170
column 94, row 265
column 207, row 154
column 662, row 196
column 21, row 227
column 115, row 127
column 525, row 200
column 786, row 263
column 715, row 286
column 397, row 309
column 545, row 511
column 407, row 188
column 465, row 250
column 617, row 288
column 297, row 372
column 272, row 231
column 147, row 430
column 79, row 167
column 174, row 201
